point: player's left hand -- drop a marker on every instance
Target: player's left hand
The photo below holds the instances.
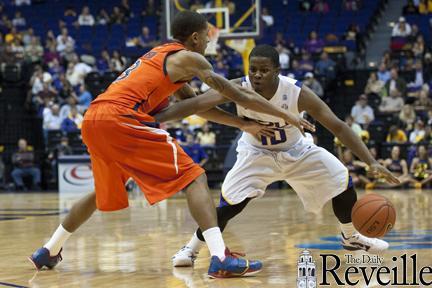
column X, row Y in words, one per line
column 299, row 122
column 257, row 129
column 378, row 171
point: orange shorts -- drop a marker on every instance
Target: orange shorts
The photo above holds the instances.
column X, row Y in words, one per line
column 121, row 146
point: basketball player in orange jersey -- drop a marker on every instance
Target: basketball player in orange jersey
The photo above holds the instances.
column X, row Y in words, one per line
column 124, row 141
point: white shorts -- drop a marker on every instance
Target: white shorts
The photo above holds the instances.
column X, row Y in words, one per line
column 315, row 174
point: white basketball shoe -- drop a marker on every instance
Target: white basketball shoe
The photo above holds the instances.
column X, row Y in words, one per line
column 360, row 242
column 185, row 257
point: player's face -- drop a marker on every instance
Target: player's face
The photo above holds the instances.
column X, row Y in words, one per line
column 201, row 40
column 262, row 73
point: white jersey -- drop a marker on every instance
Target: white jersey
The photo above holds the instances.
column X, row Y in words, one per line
column 315, row 174
column 286, row 97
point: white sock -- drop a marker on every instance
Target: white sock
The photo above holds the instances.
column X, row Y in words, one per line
column 215, row 242
column 57, row 240
column 348, row 229
column 195, row 243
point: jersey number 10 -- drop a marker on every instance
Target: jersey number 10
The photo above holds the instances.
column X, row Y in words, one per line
column 274, row 140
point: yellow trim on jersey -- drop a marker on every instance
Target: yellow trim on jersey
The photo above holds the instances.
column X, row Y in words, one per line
column 347, row 180
column 225, row 198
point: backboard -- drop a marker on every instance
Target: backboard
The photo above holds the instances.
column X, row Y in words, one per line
column 234, row 19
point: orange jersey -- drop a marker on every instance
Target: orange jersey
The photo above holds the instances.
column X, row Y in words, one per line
column 121, row 146
column 123, row 141
column 145, row 85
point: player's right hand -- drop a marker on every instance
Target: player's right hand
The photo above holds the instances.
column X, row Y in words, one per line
column 299, row 122
column 257, row 129
column 378, row 171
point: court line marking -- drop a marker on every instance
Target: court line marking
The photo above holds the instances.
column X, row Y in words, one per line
column 12, row 285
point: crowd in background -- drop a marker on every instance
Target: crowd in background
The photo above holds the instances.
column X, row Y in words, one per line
column 397, row 97
column 58, row 94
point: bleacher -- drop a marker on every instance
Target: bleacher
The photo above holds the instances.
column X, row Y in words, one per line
column 295, row 24
column 423, row 22
column 89, row 39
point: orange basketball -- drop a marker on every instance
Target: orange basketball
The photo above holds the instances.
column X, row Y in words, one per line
column 373, row 216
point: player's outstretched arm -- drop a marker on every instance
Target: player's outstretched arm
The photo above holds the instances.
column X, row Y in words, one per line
column 204, row 102
column 196, row 65
column 190, row 104
column 223, row 117
column 315, row 107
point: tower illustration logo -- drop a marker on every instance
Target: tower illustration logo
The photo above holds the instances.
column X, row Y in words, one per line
column 306, row 271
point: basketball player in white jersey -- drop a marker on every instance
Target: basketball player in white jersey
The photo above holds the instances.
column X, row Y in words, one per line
column 315, row 174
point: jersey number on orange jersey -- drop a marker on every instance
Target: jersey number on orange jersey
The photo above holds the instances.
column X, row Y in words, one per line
column 126, row 73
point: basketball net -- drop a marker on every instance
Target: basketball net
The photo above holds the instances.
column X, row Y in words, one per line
column 213, row 35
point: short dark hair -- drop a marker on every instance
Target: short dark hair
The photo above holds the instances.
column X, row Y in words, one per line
column 266, row 51
column 187, row 22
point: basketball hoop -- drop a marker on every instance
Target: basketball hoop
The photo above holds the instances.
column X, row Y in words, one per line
column 246, row 24
column 213, row 35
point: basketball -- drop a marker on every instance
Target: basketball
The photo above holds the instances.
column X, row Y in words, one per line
column 373, row 216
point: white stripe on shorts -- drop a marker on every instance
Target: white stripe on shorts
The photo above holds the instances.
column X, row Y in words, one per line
column 169, row 139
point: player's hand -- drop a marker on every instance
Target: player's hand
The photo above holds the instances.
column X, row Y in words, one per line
column 257, row 129
column 299, row 122
column 378, row 171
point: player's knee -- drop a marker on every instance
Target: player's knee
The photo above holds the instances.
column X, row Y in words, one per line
column 347, row 196
column 227, row 212
column 202, row 179
column 343, row 204
column 224, row 214
column 200, row 183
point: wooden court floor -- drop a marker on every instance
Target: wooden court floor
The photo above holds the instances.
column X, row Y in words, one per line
column 133, row 247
